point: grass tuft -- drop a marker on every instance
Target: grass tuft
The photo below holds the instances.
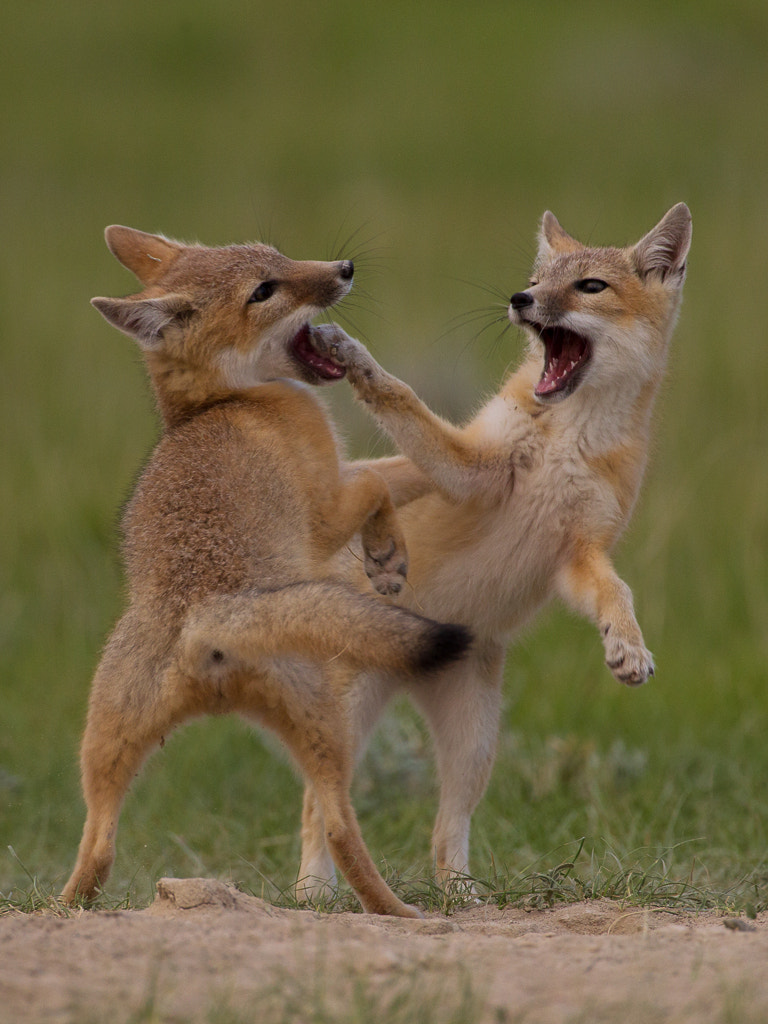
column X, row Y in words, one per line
column 644, row 882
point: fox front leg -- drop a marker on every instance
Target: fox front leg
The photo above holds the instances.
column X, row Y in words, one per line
column 448, row 456
column 362, row 504
column 590, row 585
column 626, row 655
column 385, row 557
column 384, row 554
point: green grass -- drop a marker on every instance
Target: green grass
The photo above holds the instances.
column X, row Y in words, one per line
column 433, row 136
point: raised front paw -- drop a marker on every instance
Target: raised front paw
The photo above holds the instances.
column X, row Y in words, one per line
column 629, row 660
column 386, row 565
column 334, row 343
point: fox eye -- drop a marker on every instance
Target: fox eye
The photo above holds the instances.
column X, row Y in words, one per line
column 591, row 285
column 265, row 291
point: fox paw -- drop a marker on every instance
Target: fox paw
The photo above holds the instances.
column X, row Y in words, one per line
column 386, row 567
column 630, row 662
column 335, row 344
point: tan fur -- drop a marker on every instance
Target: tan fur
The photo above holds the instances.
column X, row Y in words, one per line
column 530, row 497
column 227, row 539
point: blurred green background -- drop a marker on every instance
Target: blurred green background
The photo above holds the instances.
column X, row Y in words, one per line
column 425, row 140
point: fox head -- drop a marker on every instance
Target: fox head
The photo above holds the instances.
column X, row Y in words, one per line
column 603, row 314
column 219, row 319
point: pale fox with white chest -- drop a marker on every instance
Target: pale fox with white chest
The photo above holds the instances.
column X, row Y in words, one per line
column 526, row 500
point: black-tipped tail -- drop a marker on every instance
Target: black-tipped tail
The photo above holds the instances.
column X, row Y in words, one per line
column 442, row 645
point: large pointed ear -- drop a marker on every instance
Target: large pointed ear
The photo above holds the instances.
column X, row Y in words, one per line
column 664, row 250
column 146, row 320
column 554, row 239
column 148, row 256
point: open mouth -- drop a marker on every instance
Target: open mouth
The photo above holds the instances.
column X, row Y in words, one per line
column 305, row 353
column 565, row 356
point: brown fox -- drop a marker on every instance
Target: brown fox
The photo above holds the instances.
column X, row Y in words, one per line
column 227, row 540
column 530, row 496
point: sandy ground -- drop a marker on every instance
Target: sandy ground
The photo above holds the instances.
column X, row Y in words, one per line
column 205, row 952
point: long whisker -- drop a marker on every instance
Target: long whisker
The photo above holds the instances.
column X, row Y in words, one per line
column 337, row 247
column 341, row 314
column 496, row 340
column 474, row 316
column 526, row 259
column 483, row 286
column 491, row 315
column 355, row 248
column 365, row 303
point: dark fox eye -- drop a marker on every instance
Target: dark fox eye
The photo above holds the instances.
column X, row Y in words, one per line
column 591, row 285
column 265, row 291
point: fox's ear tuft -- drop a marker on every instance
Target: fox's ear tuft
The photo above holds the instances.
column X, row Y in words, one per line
column 146, row 320
column 147, row 256
column 664, row 250
column 554, row 239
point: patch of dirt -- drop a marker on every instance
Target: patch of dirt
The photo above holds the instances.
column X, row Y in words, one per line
column 203, row 947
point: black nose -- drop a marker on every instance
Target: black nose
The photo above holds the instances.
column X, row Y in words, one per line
column 347, row 270
column 520, row 300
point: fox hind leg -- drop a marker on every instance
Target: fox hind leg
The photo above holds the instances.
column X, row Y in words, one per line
column 346, row 844
column 363, row 705
column 462, row 708
column 111, row 757
column 310, row 719
column 317, row 874
column 109, row 766
column 128, row 716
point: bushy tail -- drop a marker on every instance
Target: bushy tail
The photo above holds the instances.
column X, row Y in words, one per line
column 322, row 621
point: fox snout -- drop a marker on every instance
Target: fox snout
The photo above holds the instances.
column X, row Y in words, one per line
column 520, row 300
column 345, row 271
column 318, row 284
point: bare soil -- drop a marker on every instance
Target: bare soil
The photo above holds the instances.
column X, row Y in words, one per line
column 206, row 952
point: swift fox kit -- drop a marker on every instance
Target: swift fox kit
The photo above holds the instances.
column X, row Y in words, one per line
column 530, row 495
column 227, row 540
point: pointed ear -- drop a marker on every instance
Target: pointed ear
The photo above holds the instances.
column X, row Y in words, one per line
column 146, row 320
column 148, row 256
column 664, row 250
column 554, row 239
